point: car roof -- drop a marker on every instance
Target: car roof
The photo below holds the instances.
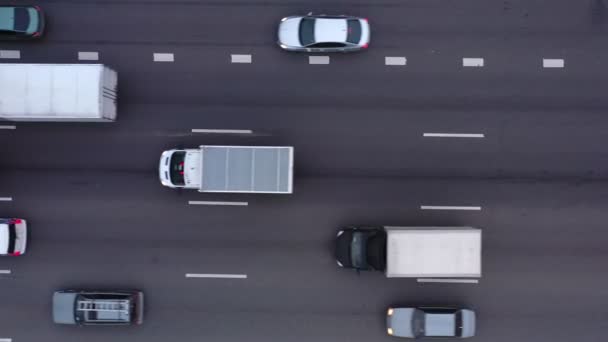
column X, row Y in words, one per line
column 440, row 324
column 331, row 30
column 7, row 17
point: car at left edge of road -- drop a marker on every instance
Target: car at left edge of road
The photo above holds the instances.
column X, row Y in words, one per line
column 13, row 236
column 21, row 22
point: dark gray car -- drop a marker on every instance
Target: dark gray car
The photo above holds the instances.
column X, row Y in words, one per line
column 430, row 322
column 98, row 307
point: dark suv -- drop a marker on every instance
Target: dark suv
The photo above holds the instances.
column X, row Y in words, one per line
column 98, row 307
column 21, row 22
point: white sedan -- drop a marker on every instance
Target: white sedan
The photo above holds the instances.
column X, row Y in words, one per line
column 323, row 33
column 13, row 236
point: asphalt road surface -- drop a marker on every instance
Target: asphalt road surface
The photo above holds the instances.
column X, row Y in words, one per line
column 366, row 152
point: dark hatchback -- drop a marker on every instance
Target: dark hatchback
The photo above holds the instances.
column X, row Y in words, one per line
column 21, row 22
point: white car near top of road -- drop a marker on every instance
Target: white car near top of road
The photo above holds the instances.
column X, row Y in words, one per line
column 323, row 33
column 13, row 236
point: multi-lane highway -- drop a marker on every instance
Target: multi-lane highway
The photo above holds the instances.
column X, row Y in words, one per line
column 373, row 144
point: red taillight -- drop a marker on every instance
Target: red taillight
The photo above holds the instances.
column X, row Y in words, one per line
column 17, row 253
column 365, row 45
column 364, row 19
column 17, row 221
column 36, row 34
column 38, row 8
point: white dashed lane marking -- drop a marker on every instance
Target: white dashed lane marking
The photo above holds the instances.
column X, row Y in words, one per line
column 5, row 271
column 222, row 131
column 318, row 59
column 553, row 63
column 217, row 203
column 10, row 54
column 216, row 276
column 395, row 60
column 453, row 135
column 472, row 62
column 240, row 58
column 8, row 127
column 163, row 57
column 6, row 199
column 446, row 280
column 88, row 56
column 440, row 207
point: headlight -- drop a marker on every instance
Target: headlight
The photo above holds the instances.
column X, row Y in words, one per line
column 389, row 331
column 340, row 233
column 283, row 19
column 284, row 46
column 389, row 312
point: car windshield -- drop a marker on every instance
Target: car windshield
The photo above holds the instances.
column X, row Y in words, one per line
column 176, row 168
column 354, row 31
column 12, row 237
column 358, row 251
column 307, row 31
column 22, row 19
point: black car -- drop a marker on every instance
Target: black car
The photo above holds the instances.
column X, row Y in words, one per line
column 82, row 307
column 21, row 22
column 361, row 248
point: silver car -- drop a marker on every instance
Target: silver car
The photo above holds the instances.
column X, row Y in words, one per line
column 430, row 322
column 323, row 33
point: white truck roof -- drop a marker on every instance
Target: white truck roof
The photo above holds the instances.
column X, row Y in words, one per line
column 57, row 92
column 247, row 169
column 433, row 252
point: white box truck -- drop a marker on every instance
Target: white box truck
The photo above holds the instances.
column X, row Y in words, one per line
column 412, row 252
column 229, row 169
column 57, row 92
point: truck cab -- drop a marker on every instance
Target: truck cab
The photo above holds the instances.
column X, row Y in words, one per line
column 180, row 168
column 361, row 248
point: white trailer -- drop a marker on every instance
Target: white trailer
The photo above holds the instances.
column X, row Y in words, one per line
column 57, row 92
column 433, row 252
column 229, row 169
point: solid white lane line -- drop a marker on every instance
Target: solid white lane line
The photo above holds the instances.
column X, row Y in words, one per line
column 240, row 58
column 216, row 276
column 318, row 59
column 88, row 56
column 553, row 63
column 472, row 62
column 439, row 207
column 10, row 54
column 8, row 127
column 5, row 271
column 217, row 203
column 222, row 131
column 445, row 280
column 454, row 135
column 6, row 199
column 395, row 60
column 163, row 57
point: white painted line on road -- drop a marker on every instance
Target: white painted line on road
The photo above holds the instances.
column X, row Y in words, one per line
column 6, row 339
column 217, row 203
column 222, row 131
column 472, row 62
column 318, row 59
column 10, row 54
column 6, row 199
column 240, row 58
column 395, row 60
column 445, row 280
column 438, row 207
column 216, row 276
column 8, row 127
column 5, row 271
column 553, row 63
column 88, row 56
column 454, row 135
column 163, row 57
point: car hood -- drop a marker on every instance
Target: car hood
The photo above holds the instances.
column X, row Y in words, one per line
column 63, row 308
column 401, row 322
column 289, row 32
column 343, row 243
column 468, row 323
